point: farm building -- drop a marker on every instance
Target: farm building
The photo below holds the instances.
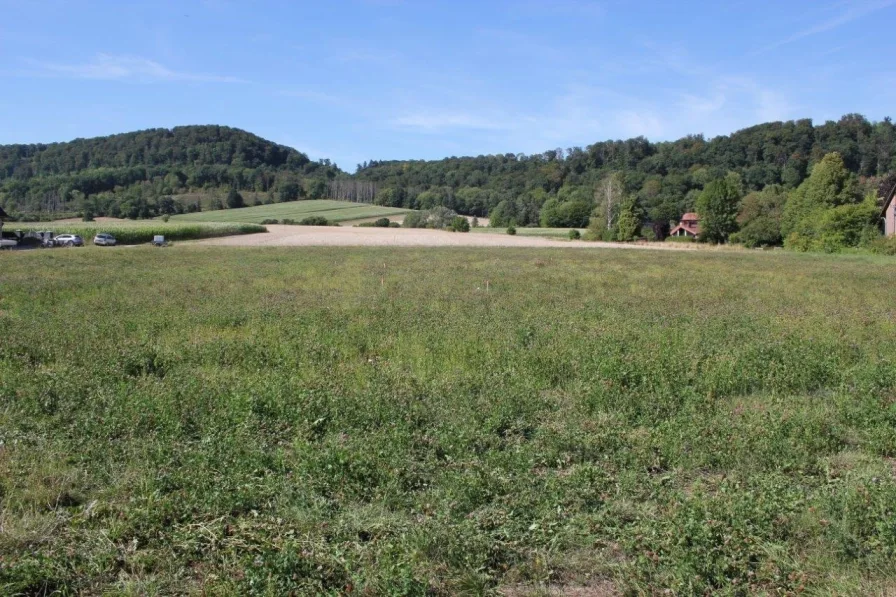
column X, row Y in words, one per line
column 688, row 226
column 889, row 213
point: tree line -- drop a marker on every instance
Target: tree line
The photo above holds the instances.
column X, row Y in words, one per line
column 747, row 185
column 751, row 173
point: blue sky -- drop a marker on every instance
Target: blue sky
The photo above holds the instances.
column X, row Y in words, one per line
column 355, row 80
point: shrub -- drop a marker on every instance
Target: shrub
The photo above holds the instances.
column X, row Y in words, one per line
column 166, row 217
column 380, row 223
column 884, row 245
column 288, row 221
column 415, row 219
column 314, row 221
column 574, row 234
column 679, row 239
column 234, row 199
column 762, row 231
column 270, row 221
column 459, row 224
column 511, row 230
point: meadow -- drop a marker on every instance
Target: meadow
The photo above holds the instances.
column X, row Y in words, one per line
column 132, row 232
column 221, row 421
column 334, row 211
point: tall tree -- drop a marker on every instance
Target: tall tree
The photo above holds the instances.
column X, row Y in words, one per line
column 830, row 184
column 234, row 199
column 629, row 224
column 717, row 206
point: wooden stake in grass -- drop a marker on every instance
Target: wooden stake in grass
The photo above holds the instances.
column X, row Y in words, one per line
column 486, row 285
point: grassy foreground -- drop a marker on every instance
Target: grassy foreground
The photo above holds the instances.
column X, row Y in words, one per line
column 141, row 231
column 334, row 211
column 269, row 422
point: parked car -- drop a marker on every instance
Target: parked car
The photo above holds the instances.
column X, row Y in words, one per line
column 104, row 239
column 68, row 240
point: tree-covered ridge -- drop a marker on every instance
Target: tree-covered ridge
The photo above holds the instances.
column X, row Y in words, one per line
column 136, row 174
column 665, row 177
column 184, row 146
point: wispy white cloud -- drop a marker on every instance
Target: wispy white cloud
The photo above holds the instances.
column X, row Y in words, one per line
column 125, row 68
column 854, row 11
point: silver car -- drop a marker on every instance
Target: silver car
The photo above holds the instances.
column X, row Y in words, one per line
column 104, row 239
column 68, row 240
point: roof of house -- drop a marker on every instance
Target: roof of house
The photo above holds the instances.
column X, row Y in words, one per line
column 695, row 230
column 690, row 216
column 887, row 200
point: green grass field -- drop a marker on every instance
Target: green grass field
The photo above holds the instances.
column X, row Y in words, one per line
column 219, row 421
column 129, row 232
column 335, row 211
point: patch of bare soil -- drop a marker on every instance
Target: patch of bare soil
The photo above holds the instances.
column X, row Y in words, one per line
column 347, row 236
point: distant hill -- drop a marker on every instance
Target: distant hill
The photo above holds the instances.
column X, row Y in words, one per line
column 185, row 147
column 117, row 172
column 664, row 176
column 194, row 168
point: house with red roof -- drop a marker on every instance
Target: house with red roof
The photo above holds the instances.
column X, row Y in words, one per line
column 889, row 213
column 688, row 226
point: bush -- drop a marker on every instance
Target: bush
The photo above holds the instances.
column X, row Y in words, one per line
column 234, row 199
column 288, row 221
column 574, row 234
column 459, row 224
column 165, row 218
column 415, row 219
column 679, row 239
column 380, row 223
column 315, row 221
column 762, row 231
column 511, row 230
column 885, row 245
column 270, row 221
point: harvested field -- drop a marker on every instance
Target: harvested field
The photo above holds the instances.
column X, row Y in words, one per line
column 344, row 236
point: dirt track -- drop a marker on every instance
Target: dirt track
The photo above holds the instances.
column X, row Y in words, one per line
column 344, row 236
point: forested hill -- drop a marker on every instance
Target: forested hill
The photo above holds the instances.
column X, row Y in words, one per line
column 186, row 146
column 128, row 174
column 665, row 178
column 750, row 176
